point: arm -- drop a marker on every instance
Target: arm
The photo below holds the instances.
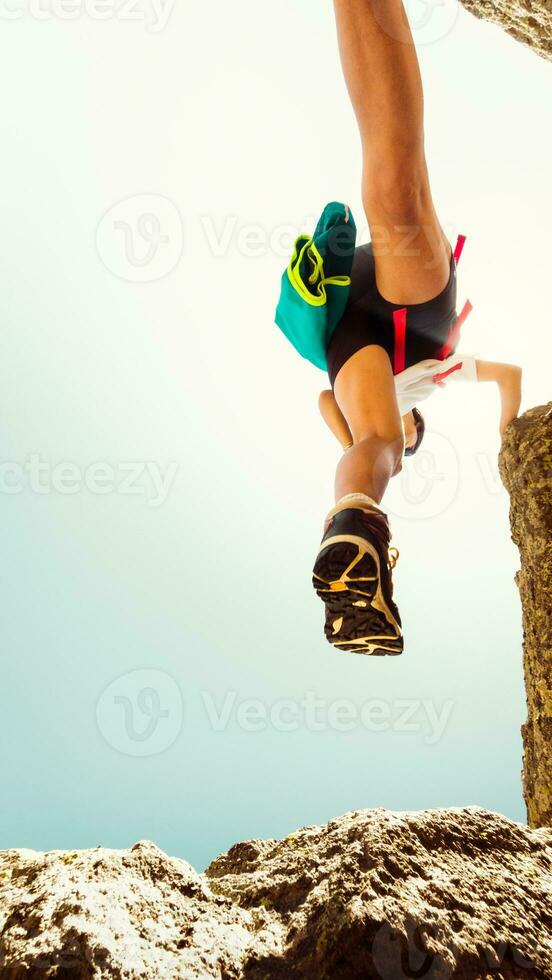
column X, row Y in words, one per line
column 508, row 379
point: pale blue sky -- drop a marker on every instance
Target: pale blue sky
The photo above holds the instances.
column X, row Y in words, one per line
column 237, row 123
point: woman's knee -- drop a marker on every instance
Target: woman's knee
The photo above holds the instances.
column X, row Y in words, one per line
column 398, row 190
column 326, row 397
column 387, row 440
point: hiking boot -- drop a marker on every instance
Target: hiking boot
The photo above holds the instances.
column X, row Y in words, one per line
column 352, row 576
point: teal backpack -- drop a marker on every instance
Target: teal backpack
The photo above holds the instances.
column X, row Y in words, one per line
column 315, row 286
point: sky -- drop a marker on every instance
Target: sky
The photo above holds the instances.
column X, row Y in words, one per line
column 164, row 473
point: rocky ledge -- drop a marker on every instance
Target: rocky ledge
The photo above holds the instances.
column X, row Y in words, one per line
column 435, row 895
column 529, row 21
column 526, row 470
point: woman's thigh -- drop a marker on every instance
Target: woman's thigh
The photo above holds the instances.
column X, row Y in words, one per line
column 365, row 392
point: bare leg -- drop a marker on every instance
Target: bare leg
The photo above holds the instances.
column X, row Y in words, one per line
column 337, row 423
column 334, row 418
column 352, row 571
column 383, row 78
column 365, row 390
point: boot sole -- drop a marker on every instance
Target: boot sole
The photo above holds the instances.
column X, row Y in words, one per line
column 347, row 577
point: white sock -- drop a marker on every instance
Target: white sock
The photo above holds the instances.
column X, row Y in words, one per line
column 360, row 500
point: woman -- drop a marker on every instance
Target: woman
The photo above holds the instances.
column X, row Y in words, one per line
column 397, row 338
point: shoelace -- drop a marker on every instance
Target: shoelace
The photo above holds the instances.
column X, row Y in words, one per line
column 394, row 555
column 381, row 530
column 382, row 535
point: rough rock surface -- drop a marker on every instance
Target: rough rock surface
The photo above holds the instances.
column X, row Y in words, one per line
column 459, row 894
column 526, row 470
column 529, row 21
column 103, row 913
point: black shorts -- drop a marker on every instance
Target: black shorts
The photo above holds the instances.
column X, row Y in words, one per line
column 370, row 319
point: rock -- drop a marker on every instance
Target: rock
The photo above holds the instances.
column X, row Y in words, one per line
column 529, row 21
column 526, row 470
column 103, row 913
column 459, row 894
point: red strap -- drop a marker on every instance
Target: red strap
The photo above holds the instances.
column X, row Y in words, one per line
column 439, row 379
column 399, row 318
column 468, row 307
column 453, row 337
column 459, row 248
